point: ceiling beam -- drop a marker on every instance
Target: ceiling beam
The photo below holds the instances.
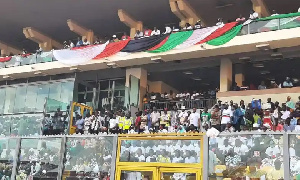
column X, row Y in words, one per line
column 184, row 11
column 130, row 22
column 81, row 30
column 44, row 41
column 260, row 7
column 6, row 49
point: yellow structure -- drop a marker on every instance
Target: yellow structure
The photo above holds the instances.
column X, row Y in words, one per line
column 225, row 75
column 154, row 170
column 81, row 31
column 44, row 41
column 184, row 11
column 79, row 109
column 130, row 22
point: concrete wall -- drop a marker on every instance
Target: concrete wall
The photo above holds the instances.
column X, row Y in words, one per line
column 160, row 87
column 279, row 94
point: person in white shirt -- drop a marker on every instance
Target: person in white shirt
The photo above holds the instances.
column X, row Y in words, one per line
column 273, row 150
column 182, row 115
column 299, row 10
column 140, row 156
column 220, row 22
column 297, row 127
column 139, row 34
column 155, row 117
column 168, row 30
column 226, row 117
column 155, row 32
column 189, row 158
column 287, row 83
column 253, row 15
column 240, row 148
column 71, row 44
column 151, row 157
column 177, row 158
column 198, row 24
column 86, row 42
column 113, row 124
column 187, row 27
column 274, row 13
column 194, row 118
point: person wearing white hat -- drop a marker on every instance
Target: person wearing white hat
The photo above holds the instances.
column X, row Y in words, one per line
column 115, row 39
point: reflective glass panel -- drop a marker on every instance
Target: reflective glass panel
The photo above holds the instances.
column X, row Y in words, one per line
column 31, row 98
column 5, row 125
column 55, row 91
column 163, row 151
column 66, row 93
column 43, row 91
column 246, row 156
column 88, row 157
column 26, row 124
column 178, row 175
column 2, row 95
column 291, row 22
column 294, row 151
column 137, row 175
column 39, row 158
column 8, row 155
column 20, row 99
column 264, row 26
column 10, row 94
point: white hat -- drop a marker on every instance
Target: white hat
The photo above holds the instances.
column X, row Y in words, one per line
column 183, row 107
column 114, row 36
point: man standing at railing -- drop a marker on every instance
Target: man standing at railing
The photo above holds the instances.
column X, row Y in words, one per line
column 194, row 119
column 155, row 117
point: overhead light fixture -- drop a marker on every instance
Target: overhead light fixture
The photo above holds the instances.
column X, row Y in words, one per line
column 277, row 55
column 111, row 65
column 187, row 72
column 40, row 73
column 264, row 72
column 244, row 58
column 75, row 68
column 6, row 77
column 197, row 79
column 157, row 59
column 258, row 65
column 263, row 47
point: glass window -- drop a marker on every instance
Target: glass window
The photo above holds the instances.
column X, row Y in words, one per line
column 43, row 92
column 10, row 94
column 8, row 151
column 5, row 125
column 163, row 151
column 55, row 91
column 94, row 155
column 22, row 125
column 290, row 22
column 42, row 155
column 20, row 99
column 178, row 175
column 2, row 95
column 31, row 98
column 67, row 92
column 245, row 157
column 294, row 150
column 144, row 175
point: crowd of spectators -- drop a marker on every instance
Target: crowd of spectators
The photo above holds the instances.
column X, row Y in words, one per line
column 224, row 116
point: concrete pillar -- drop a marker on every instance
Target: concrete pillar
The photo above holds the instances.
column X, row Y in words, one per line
column 184, row 11
column 260, row 7
column 130, row 22
column 141, row 74
column 225, row 75
column 239, row 74
column 81, row 31
column 44, row 41
column 7, row 49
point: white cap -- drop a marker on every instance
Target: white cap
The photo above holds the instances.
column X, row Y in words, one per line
column 114, row 36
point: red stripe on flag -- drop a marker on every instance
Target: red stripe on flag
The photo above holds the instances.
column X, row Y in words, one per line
column 5, row 59
column 112, row 48
column 219, row 32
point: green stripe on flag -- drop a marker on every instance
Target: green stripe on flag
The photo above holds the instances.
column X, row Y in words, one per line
column 174, row 40
column 226, row 37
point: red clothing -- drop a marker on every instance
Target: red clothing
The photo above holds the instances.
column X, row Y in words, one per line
column 279, row 127
column 147, row 32
column 267, row 120
column 138, row 121
column 125, row 37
